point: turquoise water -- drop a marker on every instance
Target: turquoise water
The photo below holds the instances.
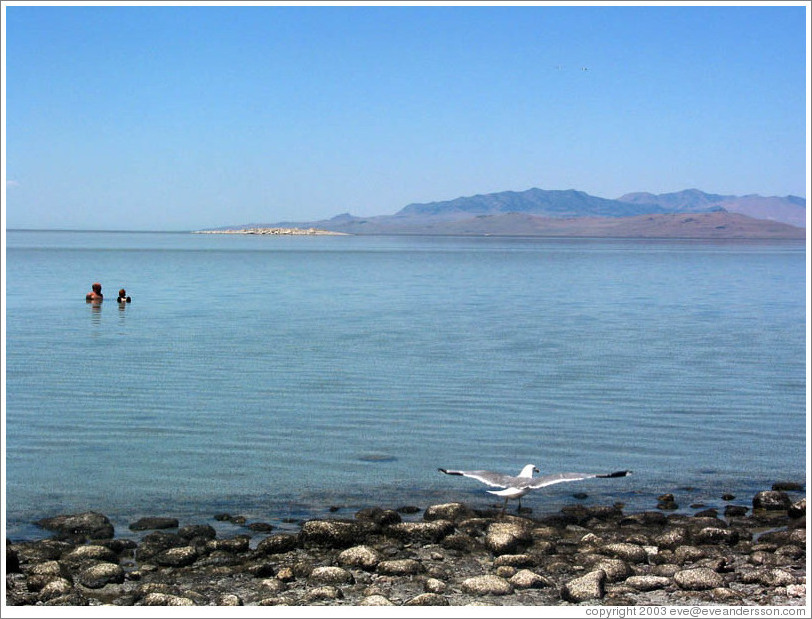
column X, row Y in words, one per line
column 276, row 377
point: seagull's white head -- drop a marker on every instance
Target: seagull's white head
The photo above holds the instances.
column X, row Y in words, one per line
column 528, row 471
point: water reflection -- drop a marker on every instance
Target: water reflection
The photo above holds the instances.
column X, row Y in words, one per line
column 95, row 311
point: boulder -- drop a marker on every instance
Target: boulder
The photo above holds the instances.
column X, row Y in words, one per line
column 400, row 567
column 375, row 600
column 427, row 599
column 180, row 556
column 590, row 586
column 772, row 500
column 197, row 531
column 715, row 535
column 509, row 537
column 89, row 524
column 527, row 579
column 277, row 544
column 331, row 575
column 487, row 585
column 154, row 522
column 627, row 552
column 101, row 574
column 647, row 582
column 363, row 557
column 332, row 533
column 447, row 511
column 698, row 579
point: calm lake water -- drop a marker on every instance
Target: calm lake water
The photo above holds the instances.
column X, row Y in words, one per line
column 275, row 377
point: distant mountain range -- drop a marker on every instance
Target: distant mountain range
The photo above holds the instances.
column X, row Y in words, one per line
column 538, row 212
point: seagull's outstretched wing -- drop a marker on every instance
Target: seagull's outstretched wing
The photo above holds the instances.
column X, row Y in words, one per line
column 490, row 478
column 557, row 478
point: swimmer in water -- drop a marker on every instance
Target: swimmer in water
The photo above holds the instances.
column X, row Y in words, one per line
column 122, row 297
column 95, row 295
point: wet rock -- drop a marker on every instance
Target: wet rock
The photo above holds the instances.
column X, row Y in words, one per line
column 90, row 524
column 777, row 578
column 332, row 533
column 628, row 552
column 12, row 559
column 101, row 574
column 277, row 544
column 698, row 579
column 666, row 502
column 434, row 585
column 616, row 570
column 272, row 586
column 527, row 579
column 771, row 500
column 647, row 582
column 487, row 585
column 177, row 557
column 197, row 531
column 326, row 593
column 508, row 537
column 521, row 560
column 330, row 575
column 459, row 541
column 90, row 552
column 787, row 486
column 797, row 509
column 735, row 511
column 427, row 599
column 154, row 522
column 363, row 557
column 400, row 567
column 237, row 544
column 165, row 599
column 55, row 588
column 672, row 538
column 688, row 554
column 590, row 586
column 421, row 532
column 447, row 511
column 261, row 527
column 42, row 573
column 229, row 599
column 375, row 600
column 381, row 517
column 715, row 535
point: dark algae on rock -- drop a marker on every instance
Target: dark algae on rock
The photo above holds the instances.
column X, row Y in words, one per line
column 448, row 555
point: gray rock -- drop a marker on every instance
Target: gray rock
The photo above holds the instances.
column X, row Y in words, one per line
column 735, row 511
column 277, row 544
column 698, row 579
column 91, row 552
column 772, row 500
column 239, row 543
column 715, row 535
column 688, row 554
column 590, row 586
column 363, row 557
column 166, row 599
column 521, row 560
column 400, row 567
column 272, row 586
column 672, row 538
column 616, row 570
column 330, row 575
column 154, row 522
column 628, row 552
column 447, row 511
column 375, row 600
column 427, row 599
column 647, row 582
column 201, row 531
column 379, row 516
column 487, row 585
column 55, row 588
column 527, row 579
column 41, row 574
column 777, row 578
column 229, row 599
column 421, row 532
column 326, row 593
column 508, row 537
column 434, row 585
column 797, row 509
column 332, row 533
column 177, row 557
column 101, row 574
column 89, row 524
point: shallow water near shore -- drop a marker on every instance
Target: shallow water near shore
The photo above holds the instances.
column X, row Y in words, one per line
column 279, row 376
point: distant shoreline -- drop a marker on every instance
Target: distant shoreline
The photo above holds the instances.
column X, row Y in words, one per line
column 275, row 231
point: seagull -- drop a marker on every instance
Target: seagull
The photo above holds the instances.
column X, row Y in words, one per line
column 516, row 487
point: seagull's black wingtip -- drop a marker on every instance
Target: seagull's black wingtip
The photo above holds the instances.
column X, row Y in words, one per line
column 617, row 474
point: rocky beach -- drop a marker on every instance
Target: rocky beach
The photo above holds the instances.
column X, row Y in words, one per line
column 443, row 555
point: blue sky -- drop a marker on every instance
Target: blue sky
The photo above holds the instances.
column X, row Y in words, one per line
column 185, row 117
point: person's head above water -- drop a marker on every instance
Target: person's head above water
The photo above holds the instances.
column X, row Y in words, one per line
column 122, row 293
column 96, row 293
